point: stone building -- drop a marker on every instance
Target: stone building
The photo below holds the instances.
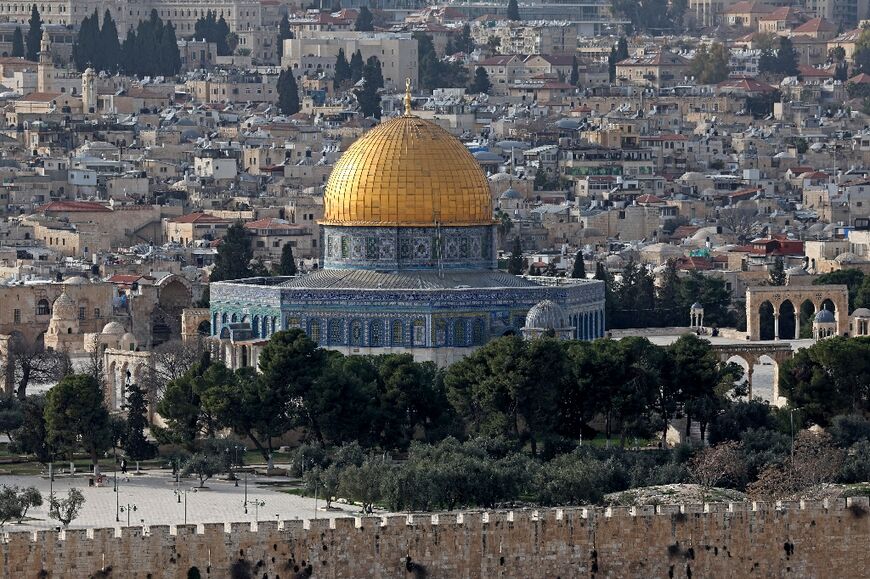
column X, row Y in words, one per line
column 409, row 262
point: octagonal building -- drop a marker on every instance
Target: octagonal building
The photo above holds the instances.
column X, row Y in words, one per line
column 408, row 244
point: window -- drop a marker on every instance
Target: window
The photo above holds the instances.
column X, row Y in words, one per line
column 97, row 313
column 16, row 316
column 335, row 332
column 314, row 331
column 419, row 333
column 376, row 332
column 396, row 333
column 356, row 334
column 42, row 308
column 459, row 337
column 82, row 313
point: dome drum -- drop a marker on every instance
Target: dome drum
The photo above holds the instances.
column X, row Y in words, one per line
column 396, row 248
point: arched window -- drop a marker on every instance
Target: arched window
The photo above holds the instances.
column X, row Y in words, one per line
column 396, row 337
column 255, row 327
column 43, row 308
column 314, row 331
column 459, row 334
column 477, row 333
column 265, row 332
column 356, row 333
column 418, row 333
column 234, row 318
column 335, row 332
column 376, row 333
column 440, row 333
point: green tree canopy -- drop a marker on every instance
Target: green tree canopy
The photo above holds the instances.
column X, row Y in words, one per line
column 76, row 417
column 18, row 42
column 480, row 84
column 365, row 21
column 234, row 255
column 288, row 93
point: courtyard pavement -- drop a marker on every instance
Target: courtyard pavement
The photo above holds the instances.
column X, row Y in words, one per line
column 156, row 502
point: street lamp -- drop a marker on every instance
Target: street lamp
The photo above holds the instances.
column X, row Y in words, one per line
column 178, row 494
column 246, row 493
column 257, row 504
column 127, row 508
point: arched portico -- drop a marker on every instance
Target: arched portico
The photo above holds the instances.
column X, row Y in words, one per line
column 788, row 300
column 753, row 355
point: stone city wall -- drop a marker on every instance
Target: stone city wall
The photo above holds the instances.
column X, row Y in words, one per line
column 807, row 539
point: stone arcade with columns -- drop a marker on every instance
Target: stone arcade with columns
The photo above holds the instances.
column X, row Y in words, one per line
column 409, row 262
column 778, row 296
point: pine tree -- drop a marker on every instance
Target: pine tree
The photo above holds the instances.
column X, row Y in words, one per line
column 341, row 70
column 288, row 93
column 621, row 49
column 600, row 272
column 579, row 271
column 575, row 72
column 234, row 255
column 786, row 58
column 34, row 35
column 356, row 67
column 136, row 445
column 513, row 10
column 515, row 263
column 288, row 262
column 364, row 21
column 17, row 42
column 777, row 272
column 481, row 84
column 284, row 33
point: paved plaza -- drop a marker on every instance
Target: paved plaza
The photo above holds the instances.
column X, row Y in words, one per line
column 154, row 495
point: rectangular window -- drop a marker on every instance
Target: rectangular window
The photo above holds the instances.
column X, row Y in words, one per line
column 97, row 313
column 81, row 313
column 16, row 316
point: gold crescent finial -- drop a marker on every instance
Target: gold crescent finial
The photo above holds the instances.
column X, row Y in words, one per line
column 407, row 97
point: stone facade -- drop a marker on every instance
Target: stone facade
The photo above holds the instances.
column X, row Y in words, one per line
column 807, row 539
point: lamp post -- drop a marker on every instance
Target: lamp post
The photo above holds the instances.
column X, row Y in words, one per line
column 257, row 504
column 127, row 508
column 246, row 493
column 178, row 494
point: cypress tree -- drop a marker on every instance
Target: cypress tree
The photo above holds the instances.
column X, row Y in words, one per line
column 288, row 262
column 342, row 70
column 356, row 67
column 109, row 44
column 288, row 93
column 136, row 445
column 221, row 32
column 234, row 255
column 364, row 21
column 34, row 35
column 515, row 263
column 368, row 98
column 513, row 10
column 18, row 42
column 579, row 271
column 575, row 72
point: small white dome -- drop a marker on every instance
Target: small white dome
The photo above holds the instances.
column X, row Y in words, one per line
column 64, row 308
column 113, row 328
column 861, row 313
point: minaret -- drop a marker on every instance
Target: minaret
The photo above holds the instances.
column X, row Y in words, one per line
column 45, row 67
column 89, row 91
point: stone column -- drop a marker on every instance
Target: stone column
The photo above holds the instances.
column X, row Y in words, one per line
column 797, row 324
column 749, row 373
column 776, row 325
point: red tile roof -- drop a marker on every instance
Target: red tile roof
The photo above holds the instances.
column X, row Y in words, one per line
column 198, row 218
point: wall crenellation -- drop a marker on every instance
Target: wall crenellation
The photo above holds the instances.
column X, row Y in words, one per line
column 803, row 538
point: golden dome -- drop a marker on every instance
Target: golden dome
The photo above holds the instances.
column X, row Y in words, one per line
column 408, row 172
